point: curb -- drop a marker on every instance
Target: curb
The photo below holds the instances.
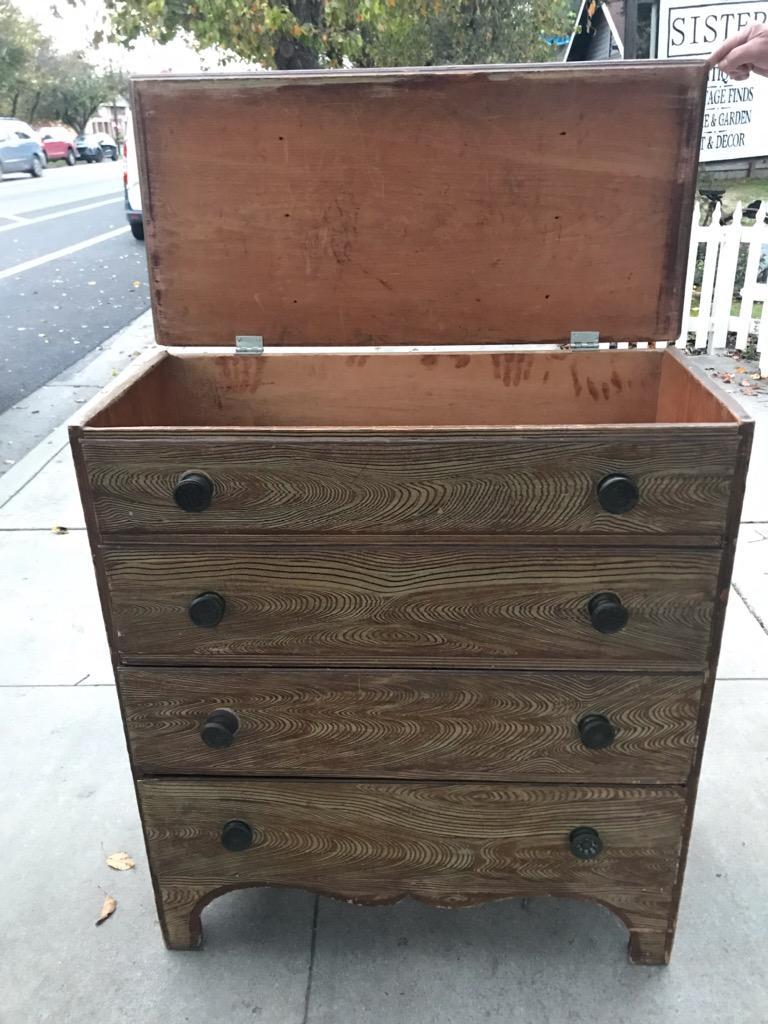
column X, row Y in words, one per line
column 18, row 476
column 91, row 373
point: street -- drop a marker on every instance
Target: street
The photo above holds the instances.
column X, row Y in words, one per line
column 71, row 273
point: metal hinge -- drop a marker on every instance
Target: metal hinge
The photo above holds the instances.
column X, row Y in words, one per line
column 249, row 344
column 584, row 339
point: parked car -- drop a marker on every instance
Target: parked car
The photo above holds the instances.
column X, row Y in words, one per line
column 20, row 148
column 95, row 147
column 58, row 143
column 131, row 185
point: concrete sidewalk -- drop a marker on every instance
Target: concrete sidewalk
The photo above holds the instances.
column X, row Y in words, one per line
column 287, row 957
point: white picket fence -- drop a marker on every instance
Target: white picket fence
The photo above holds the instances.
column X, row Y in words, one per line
column 708, row 306
column 712, row 320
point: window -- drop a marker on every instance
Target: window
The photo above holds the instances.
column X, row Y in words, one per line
column 23, row 135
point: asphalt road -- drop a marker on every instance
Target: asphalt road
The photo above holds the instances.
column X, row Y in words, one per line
column 71, row 273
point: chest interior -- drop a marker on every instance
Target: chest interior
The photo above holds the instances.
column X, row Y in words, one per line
column 462, row 389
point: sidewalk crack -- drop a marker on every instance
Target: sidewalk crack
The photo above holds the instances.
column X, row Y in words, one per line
column 312, row 947
column 750, row 609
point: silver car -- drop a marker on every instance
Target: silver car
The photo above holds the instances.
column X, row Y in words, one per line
column 20, row 148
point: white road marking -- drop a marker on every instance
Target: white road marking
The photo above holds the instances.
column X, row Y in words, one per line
column 23, row 221
column 38, row 261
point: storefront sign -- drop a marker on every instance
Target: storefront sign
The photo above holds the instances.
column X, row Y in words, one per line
column 736, row 115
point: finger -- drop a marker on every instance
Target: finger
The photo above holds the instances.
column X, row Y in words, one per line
column 748, row 55
column 736, row 40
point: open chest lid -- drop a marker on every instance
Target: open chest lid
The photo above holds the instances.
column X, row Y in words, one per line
column 437, row 206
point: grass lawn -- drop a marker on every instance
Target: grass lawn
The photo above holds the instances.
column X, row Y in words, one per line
column 745, row 191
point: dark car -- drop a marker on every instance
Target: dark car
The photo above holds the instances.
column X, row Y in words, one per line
column 20, row 148
column 58, row 144
column 95, row 147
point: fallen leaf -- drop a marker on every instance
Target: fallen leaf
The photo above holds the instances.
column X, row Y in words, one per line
column 136, row 284
column 108, row 908
column 120, row 861
column 740, row 369
column 59, row 529
column 755, row 376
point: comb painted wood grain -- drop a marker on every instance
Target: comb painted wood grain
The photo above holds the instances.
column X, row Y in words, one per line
column 444, row 844
column 543, row 482
column 358, row 605
column 419, row 724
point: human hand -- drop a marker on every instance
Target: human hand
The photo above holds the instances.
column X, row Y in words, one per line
column 743, row 52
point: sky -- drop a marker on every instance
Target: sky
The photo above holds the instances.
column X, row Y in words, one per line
column 77, row 25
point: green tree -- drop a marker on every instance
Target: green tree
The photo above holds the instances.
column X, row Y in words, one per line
column 290, row 34
column 20, row 44
column 78, row 91
column 37, row 84
column 468, row 31
column 43, row 72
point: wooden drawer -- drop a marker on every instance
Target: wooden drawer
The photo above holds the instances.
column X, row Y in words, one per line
column 526, row 726
column 541, row 482
column 476, row 605
column 446, row 844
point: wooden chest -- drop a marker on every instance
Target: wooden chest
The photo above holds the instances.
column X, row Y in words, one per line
column 398, row 609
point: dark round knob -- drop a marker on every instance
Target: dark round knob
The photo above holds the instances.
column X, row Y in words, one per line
column 596, row 732
column 617, row 493
column 207, row 610
column 193, row 492
column 585, row 843
column 607, row 613
column 236, row 836
column 219, row 728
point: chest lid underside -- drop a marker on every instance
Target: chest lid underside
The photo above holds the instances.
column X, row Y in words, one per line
column 424, row 206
